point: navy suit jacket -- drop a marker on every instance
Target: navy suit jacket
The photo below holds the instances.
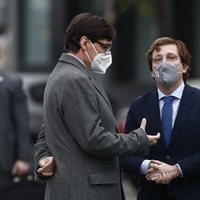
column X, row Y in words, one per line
column 184, row 147
column 14, row 127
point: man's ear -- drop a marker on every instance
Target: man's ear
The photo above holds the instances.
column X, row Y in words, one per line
column 152, row 74
column 84, row 43
column 185, row 68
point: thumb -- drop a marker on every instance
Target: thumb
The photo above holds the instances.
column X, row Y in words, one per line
column 143, row 123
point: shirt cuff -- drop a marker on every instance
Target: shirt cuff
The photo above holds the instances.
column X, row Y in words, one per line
column 179, row 169
column 144, row 166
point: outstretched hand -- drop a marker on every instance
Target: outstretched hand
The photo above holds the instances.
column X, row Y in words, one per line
column 152, row 138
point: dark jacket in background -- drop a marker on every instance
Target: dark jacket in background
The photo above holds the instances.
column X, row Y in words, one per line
column 14, row 124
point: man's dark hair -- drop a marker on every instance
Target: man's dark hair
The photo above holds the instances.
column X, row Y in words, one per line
column 86, row 24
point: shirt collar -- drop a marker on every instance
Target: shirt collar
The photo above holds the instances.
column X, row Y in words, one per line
column 177, row 93
column 77, row 58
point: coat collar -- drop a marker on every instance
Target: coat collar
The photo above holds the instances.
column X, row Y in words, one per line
column 67, row 58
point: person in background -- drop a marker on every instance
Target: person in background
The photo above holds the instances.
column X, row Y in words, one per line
column 15, row 153
column 79, row 126
column 171, row 171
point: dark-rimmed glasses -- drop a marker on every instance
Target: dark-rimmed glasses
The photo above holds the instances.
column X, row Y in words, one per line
column 106, row 47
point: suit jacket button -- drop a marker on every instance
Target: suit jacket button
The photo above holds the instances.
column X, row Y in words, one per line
column 168, row 157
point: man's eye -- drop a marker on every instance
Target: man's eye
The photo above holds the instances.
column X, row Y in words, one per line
column 171, row 57
column 157, row 59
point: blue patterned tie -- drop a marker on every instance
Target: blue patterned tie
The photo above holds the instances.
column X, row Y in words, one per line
column 167, row 117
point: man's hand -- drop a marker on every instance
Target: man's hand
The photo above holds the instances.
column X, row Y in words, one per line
column 20, row 168
column 152, row 138
column 161, row 172
column 47, row 166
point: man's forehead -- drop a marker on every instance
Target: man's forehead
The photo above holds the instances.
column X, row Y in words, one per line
column 168, row 48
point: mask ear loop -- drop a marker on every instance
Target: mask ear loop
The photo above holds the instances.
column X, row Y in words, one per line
column 94, row 47
column 87, row 52
column 88, row 56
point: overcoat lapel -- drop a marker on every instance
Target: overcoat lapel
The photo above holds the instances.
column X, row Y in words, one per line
column 100, row 90
column 73, row 61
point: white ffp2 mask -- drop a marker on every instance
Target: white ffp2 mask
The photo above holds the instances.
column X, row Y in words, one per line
column 101, row 61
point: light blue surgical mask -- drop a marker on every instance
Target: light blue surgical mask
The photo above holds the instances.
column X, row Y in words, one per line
column 167, row 74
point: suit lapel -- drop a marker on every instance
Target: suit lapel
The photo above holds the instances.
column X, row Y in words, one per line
column 154, row 110
column 184, row 107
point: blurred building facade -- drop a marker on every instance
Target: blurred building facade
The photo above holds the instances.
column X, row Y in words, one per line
column 32, row 31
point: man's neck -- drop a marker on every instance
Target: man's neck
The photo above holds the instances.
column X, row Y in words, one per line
column 170, row 90
column 80, row 56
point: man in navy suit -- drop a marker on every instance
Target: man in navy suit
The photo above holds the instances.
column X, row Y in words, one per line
column 15, row 152
column 172, row 168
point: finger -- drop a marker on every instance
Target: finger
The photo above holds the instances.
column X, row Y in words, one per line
column 46, row 169
column 148, row 178
column 159, row 180
column 154, row 178
column 154, row 166
column 156, row 162
column 50, row 162
column 47, row 174
column 153, row 142
column 150, row 171
column 143, row 123
column 40, row 170
column 50, row 167
column 154, row 137
column 157, row 136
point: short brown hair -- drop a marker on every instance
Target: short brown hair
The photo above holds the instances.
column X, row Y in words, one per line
column 86, row 24
column 182, row 50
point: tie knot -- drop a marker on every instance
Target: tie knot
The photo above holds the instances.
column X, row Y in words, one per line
column 168, row 99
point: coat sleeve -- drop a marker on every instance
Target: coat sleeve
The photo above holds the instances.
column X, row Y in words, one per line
column 41, row 151
column 131, row 165
column 190, row 166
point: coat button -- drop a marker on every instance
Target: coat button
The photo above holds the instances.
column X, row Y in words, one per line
column 168, row 157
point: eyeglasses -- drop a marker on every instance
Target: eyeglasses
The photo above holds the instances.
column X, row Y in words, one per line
column 171, row 58
column 106, row 47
